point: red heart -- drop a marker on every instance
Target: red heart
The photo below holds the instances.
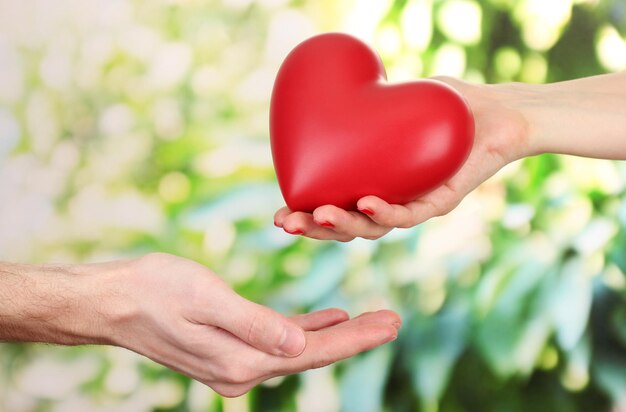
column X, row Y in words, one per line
column 339, row 132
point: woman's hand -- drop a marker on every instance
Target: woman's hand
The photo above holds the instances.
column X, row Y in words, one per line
column 501, row 137
column 181, row 315
column 582, row 117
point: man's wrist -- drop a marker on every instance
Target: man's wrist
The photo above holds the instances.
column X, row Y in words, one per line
column 63, row 304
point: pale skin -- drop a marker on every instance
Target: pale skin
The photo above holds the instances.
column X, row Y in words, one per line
column 181, row 315
column 584, row 117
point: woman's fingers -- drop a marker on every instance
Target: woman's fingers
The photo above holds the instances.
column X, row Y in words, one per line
column 436, row 203
column 385, row 214
column 348, row 223
column 329, row 223
column 280, row 215
column 300, row 223
column 374, row 219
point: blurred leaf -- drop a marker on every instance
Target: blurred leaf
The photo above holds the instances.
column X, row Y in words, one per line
column 329, row 268
column 239, row 203
column 513, row 333
column 618, row 323
column 571, row 303
column 435, row 343
column 363, row 381
column 610, row 375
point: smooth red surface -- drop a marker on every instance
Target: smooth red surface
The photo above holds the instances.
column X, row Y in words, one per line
column 340, row 132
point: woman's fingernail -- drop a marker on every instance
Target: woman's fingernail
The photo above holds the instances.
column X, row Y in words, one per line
column 367, row 211
column 294, row 232
column 326, row 224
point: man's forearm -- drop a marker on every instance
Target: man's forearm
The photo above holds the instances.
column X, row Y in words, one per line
column 54, row 304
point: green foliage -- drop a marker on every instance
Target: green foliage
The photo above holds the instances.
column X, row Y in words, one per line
column 140, row 126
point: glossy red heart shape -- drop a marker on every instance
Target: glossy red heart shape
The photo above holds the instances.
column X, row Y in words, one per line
column 340, row 132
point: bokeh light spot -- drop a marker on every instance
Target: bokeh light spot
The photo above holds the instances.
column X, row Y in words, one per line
column 534, row 69
column 449, row 60
column 460, row 20
column 507, row 62
column 219, row 237
column 542, row 22
column 611, row 49
column 388, row 41
column 416, row 23
column 174, row 187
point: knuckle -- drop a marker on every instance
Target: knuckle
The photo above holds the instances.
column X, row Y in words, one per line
column 262, row 328
column 387, row 222
column 254, row 327
column 148, row 261
column 436, row 209
column 235, row 374
column 408, row 224
column 322, row 360
column 446, row 208
column 320, row 363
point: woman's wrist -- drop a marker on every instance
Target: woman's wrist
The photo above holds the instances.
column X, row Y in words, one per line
column 579, row 117
column 524, row 101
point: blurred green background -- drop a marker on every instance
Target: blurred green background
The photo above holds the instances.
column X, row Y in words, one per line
column 136, row 126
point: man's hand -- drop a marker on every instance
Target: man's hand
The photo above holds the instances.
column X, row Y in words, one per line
column 180, row 314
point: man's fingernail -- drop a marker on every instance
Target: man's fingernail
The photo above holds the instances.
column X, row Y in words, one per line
column 276, row 224
column 292, row 342
column 397, row 325
column 367, row 211
column 326, row 224
column 294, row 232
column 392, row 337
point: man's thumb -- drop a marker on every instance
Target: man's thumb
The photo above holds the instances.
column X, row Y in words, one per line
column 261, row 327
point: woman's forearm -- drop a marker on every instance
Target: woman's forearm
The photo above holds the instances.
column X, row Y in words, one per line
column 585, row 117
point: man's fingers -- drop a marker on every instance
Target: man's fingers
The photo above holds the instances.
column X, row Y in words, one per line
column 339, row 342
column 259, row 326
column 320, row 319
